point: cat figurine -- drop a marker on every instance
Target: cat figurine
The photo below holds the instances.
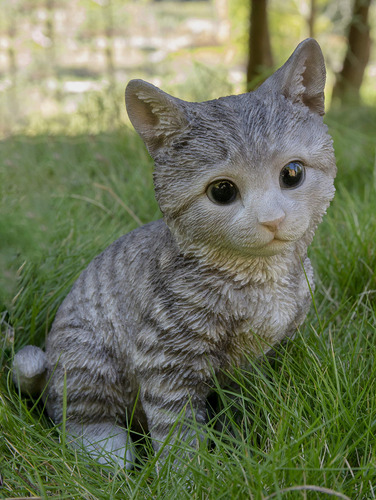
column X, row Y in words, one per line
column 242, row 182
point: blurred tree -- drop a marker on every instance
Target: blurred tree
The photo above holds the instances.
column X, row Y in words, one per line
column 13, row 11
column 12, row 41
column 50, row 34
column 349, row 79
column 109, row 32
column 260, row 58
column 311, row 18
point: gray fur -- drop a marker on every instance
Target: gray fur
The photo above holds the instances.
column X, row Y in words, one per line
column 166, row 305
column 29, row 369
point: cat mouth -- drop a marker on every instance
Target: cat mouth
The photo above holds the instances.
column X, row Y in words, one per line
column 273, row 247
column 277, row 240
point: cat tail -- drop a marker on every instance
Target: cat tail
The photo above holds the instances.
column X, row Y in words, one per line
column 30, row 370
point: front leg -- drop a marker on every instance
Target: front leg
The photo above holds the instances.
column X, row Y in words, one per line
column 173, row 401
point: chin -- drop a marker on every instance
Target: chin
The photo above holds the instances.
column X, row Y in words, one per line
column 275, row 247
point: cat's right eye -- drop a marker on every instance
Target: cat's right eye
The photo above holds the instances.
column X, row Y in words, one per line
column 222, row 192
column 292, row 175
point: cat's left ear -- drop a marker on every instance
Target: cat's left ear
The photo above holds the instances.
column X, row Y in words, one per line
column 302, row 77
column 156, row 115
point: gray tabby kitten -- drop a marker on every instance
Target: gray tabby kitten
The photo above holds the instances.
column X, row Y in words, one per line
column 242, row 182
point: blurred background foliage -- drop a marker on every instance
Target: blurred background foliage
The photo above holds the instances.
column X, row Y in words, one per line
column 64, row 64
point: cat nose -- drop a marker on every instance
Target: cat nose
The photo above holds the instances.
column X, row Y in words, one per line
column 272, row 224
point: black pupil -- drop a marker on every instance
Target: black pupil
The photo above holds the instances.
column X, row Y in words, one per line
column 223, row 192
column 291, row 175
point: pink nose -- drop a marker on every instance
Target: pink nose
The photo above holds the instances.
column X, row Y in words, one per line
column 273, row 225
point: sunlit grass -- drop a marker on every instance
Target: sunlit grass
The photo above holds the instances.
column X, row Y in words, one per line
column 302, row 427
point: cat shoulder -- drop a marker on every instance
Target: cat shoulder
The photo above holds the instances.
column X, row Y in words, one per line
column 135, row 250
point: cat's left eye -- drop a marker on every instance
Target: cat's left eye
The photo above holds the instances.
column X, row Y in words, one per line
column 222, row 192
column 292, row 175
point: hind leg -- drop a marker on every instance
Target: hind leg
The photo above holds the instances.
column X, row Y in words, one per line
column 104, row 441
column 90, row 389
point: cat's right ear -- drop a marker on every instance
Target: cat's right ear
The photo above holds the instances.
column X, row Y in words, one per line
column 156, row 115
column 302, row 77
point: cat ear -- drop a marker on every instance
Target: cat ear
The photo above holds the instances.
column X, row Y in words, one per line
column 302, row 77
column 155, row 115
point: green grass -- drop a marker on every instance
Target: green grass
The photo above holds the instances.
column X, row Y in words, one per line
column 302, row 428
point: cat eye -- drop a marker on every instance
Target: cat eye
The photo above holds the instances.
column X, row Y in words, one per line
column 222, row 192
column 292, row 175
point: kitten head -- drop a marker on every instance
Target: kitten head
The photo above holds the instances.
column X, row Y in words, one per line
column 248, row 175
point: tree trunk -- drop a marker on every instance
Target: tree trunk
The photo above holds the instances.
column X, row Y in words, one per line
column 12, row 61
column 259, row 54
column 50, row 34
column 109, row 32
column 349, row 79
column 312, row 18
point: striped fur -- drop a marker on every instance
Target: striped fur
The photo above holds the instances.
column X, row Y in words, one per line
column 172, row 303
